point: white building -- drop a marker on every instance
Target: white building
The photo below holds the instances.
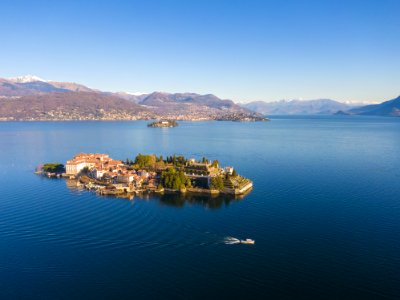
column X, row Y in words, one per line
column 73, row 168
column 82, row 160
column 127, row 178
column 229, row 170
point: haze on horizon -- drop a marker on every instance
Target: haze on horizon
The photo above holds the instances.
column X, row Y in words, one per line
column 241, row 50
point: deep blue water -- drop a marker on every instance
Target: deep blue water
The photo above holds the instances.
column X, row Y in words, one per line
column 325, row 213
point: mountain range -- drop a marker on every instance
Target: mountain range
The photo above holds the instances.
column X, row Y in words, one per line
column 31, row 98
column 387, row 108
column 325, row 107
column 298, row 107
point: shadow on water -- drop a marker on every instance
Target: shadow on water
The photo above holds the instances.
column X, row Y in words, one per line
column 212, row 202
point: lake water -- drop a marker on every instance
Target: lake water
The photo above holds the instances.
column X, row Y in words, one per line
column 324, row 211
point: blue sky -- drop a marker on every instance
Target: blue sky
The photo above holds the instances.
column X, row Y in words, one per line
column 243, row 50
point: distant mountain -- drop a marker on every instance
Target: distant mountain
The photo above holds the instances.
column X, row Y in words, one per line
column 26, row 78
column 129, row 96
column 33, row 85
column 70, row 86
column 298, row 107
column 159, row 99
column 388, row 108
column 12, row 88
column 201, row 106
column 70, row 106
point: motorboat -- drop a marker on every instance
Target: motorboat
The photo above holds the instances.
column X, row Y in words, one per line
column 248, row 241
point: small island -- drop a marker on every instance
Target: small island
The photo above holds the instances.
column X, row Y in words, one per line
column 51, row 169
column 148, row 173
column 163, row 123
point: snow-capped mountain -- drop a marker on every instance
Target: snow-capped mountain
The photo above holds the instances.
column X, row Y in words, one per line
column 26, row 79
column 298, row 107
column 34, row 85
column 387, row 108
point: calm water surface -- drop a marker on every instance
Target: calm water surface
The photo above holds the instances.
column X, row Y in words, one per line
column 325, row 214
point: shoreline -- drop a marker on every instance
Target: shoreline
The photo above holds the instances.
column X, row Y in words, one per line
column 130, row 120
column 125, row 192
column 122, row 193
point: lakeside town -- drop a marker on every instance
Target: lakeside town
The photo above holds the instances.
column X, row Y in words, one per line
column 148, row 173
column 58, row 115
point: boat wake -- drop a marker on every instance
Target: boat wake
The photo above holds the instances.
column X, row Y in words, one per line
column 231, row 240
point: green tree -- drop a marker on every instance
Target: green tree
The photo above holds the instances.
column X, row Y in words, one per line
column 234, row 173
column 217, row 183
column 173, row 179
column 53, row 167
column 145, row 161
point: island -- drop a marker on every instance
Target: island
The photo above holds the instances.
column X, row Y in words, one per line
column 149, row 173
column 51, row 169
column 241, row 117
column 163, row 123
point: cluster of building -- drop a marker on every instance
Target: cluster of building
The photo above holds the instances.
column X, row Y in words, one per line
column 109, row 176
column 103, row 168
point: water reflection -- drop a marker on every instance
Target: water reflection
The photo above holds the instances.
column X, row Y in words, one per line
column 212, row 202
